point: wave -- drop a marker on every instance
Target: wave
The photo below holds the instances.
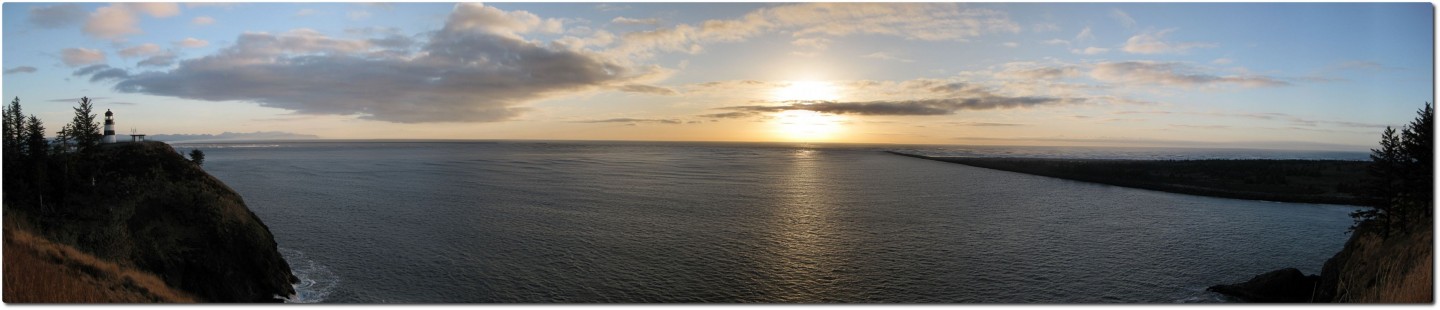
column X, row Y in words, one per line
column 316, row 280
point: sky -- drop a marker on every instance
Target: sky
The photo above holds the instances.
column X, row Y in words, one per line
column 1273, row 75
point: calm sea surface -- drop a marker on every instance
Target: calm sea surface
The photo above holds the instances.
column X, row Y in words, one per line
column 420, row 222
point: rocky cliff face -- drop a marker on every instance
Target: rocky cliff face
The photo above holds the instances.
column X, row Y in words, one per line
column 149, row 207
column 1369, row 269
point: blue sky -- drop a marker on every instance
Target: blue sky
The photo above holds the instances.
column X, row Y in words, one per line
column 1274, row 75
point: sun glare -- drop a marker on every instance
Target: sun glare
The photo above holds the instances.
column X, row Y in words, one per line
column 802, row 125
column 806, row 91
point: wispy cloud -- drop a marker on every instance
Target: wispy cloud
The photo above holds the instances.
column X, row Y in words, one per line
column 884, row 56
column 1155, row 43
column 635, row 121
column 142, row 50
column 192, row 43
column 918, row 21
column 1085, row 35
column 648, row 89
column 20, row 69
column 1173, row 74
column 1090, row 51
column 1123, row 18
column 621, row 20
column 985, row 124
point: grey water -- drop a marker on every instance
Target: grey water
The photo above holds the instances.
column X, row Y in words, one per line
column 518, row 221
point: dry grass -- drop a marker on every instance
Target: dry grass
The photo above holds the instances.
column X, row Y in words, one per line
column 40, row 271
column 1394, row 270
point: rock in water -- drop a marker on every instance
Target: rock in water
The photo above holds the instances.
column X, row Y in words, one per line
column 1287, row 285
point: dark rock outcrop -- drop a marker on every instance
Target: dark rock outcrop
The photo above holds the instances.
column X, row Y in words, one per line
column 1287, row 285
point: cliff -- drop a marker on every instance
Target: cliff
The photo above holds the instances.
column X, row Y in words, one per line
column 1372, row 269
column 1369, row 269
column 144, row 206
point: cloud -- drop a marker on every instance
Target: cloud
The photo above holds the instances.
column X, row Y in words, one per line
column 635, row 121
column 73, row 99
column 203, row 20
column 884, row 56
column 1085, row 35
column 1123, row 18
column 621, row 20
column 1090, row 51
column 158, row 61
column 1010, row 44
column 985, row 124
column 99, row 73
column 118, row 20
column 478, row 17
column 1026, row 72
column 358, row 15
column 916, row 21
column 20, row 69
column 56, row 16
column 192, row 43
column 147, row 49
column 111, row 22
column 941, row 106
column 639, row 88
column 474, row 69
column 1044, row 27
column 1172, row 74
column 76, row 57
column 1055, row 42
column 305, row 12
column 155, row 9
column 816, row 43
column 1222, row 61
column 1154, row 43
column 737, row 114
column 608, row 7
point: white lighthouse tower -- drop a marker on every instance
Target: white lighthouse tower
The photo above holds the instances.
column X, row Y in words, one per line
column 109, row 127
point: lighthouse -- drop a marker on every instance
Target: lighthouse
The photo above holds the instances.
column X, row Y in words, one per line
column 109, row 127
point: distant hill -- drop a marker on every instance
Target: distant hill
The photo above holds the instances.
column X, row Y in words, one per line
column 258, row 135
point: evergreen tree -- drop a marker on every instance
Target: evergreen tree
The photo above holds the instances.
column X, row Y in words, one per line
column 10, row 143
column 35, row 140
column 1400, row 185
column 13, row 121
column 84, row 129
column 197, row 157
column 63, row 139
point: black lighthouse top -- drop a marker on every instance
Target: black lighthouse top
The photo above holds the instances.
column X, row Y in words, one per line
column 108, row 113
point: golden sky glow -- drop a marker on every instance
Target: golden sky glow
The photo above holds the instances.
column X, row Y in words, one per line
column 1271, row 75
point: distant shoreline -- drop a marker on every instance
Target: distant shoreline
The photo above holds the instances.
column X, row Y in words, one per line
column 1297, row 181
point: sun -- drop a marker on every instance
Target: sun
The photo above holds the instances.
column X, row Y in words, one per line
column 807, row 126
column 806, row 91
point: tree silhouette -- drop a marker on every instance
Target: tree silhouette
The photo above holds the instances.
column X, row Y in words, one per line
column 197, row 157
column 84, row 128
column 1400, row 189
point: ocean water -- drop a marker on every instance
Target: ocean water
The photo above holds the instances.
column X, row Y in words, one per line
column 541, row 222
